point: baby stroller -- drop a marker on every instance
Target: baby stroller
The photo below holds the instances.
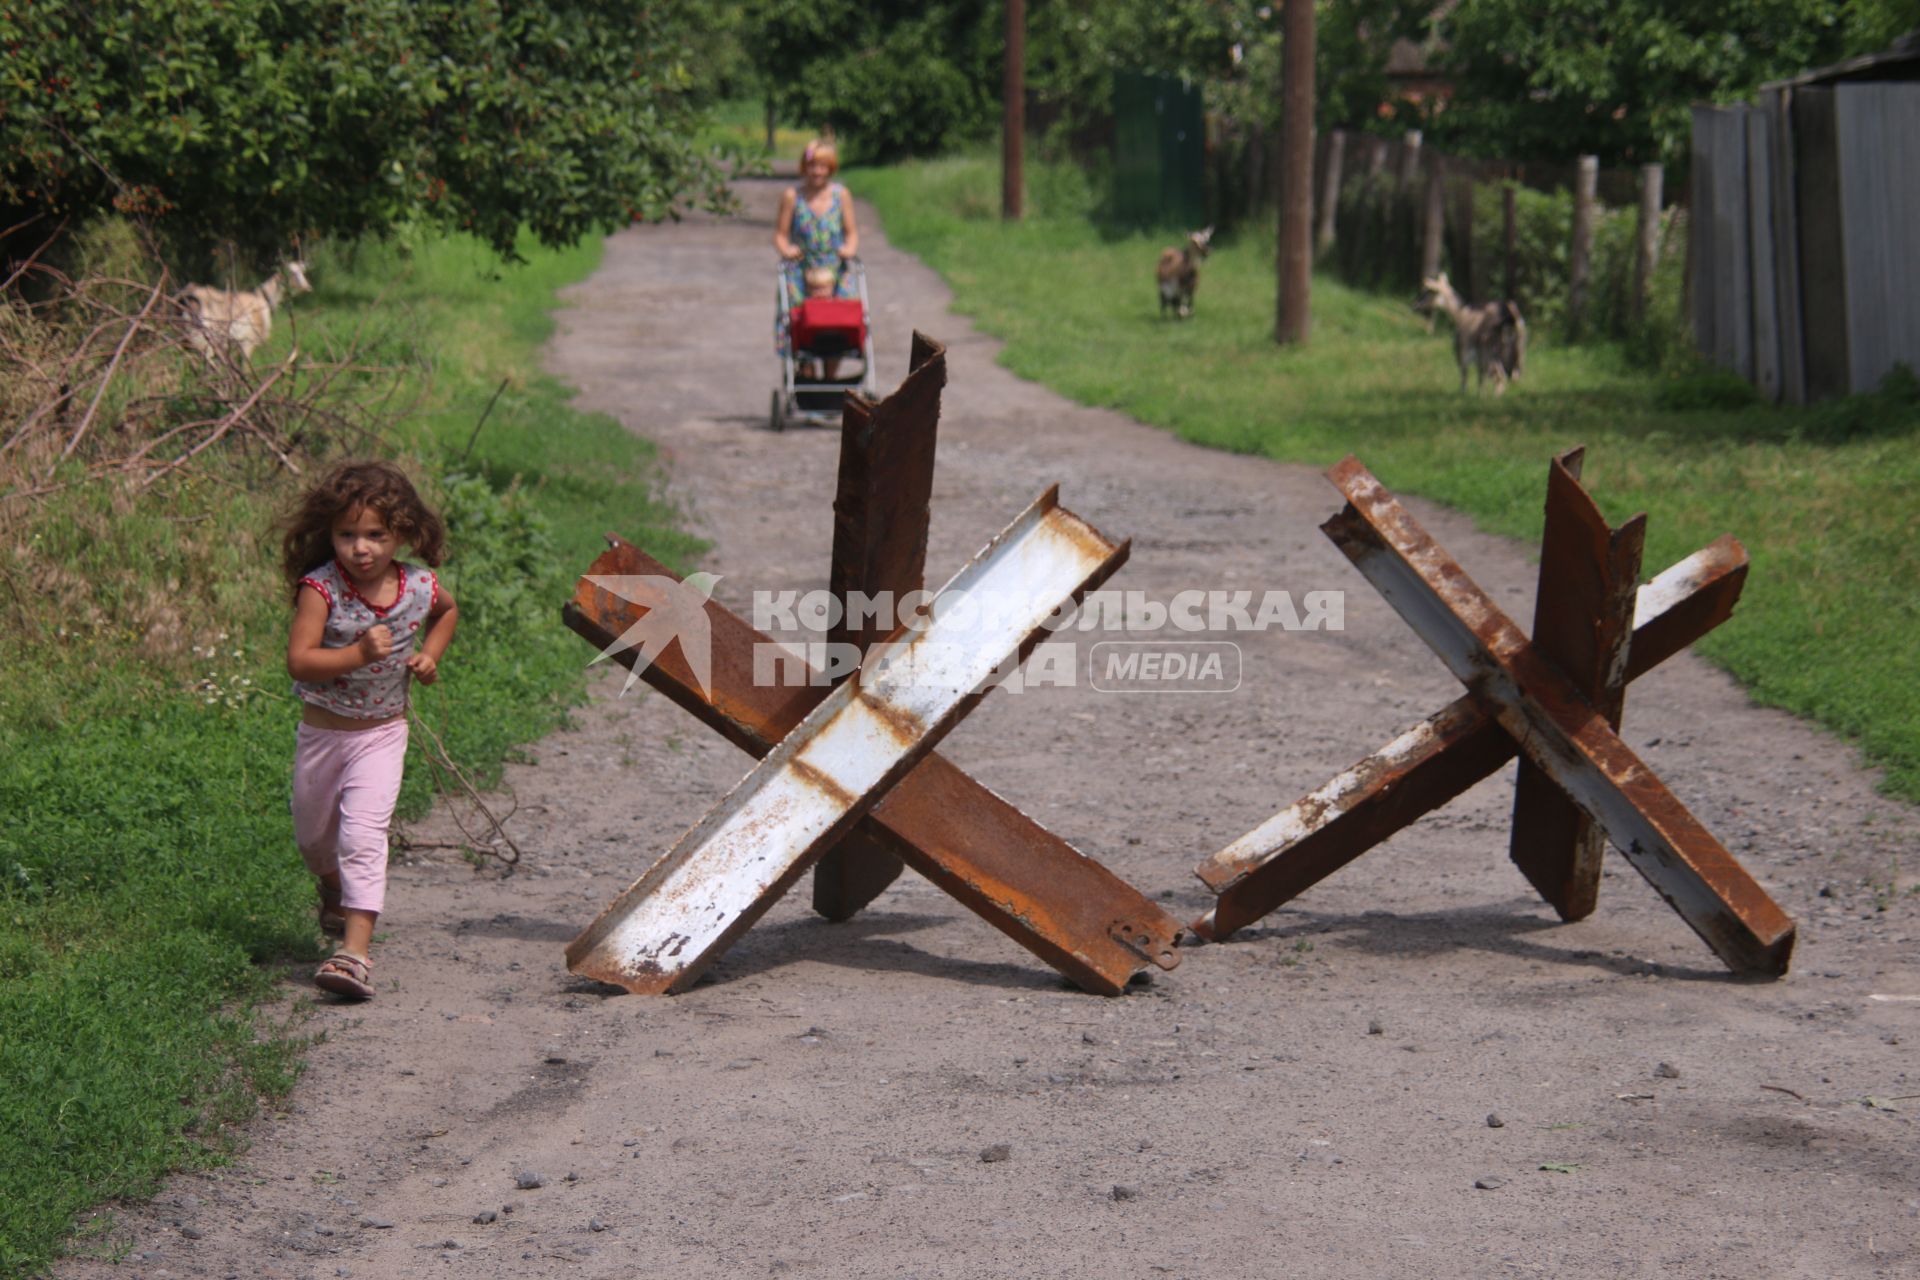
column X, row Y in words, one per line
column 820, row 330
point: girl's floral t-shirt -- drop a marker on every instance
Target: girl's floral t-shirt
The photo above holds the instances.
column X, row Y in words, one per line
column 379, row 689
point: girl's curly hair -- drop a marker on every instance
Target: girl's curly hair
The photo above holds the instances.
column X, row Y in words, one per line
column 307, row 538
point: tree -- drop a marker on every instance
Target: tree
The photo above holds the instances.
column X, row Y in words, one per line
column 1616, row 78
column 254, row 121
column 1293, row 312
column 895, row 77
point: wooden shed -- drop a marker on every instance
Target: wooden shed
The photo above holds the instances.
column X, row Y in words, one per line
column 1806, row 228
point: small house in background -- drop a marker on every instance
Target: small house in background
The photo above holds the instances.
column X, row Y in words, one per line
column 1411, row 75
column 1806, row 228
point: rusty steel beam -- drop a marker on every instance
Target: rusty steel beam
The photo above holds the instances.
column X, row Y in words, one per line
column 1318, row 834
column 1437, row 759
column 1582, row 623
column 1558, row 729
column 1064, row 907
column 880, row 514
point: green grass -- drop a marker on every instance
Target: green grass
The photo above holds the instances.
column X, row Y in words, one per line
column 1822, row 497
column 150, row 893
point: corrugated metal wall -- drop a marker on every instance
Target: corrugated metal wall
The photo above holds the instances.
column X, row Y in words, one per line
column 1806, row 249
column 1879, row 136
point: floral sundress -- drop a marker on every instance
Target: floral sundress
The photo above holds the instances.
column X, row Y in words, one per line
column 819, row 237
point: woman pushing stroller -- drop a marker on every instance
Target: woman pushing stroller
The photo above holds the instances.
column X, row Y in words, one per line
column 821, row 315
column 815, row 228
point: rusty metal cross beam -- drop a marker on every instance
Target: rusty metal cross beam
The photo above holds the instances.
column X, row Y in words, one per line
column 1555, row 700
column 1063, row 906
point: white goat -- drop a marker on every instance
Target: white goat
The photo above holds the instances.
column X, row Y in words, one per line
column 218, row 320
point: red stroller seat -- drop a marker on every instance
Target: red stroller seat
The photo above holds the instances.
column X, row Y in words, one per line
column 828, row 326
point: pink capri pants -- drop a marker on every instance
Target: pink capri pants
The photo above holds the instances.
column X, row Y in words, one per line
column 345, row 784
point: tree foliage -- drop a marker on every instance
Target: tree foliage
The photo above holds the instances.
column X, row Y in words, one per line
column 894, row 77
column 252, row 121
column 902, row 78
column 1616, row 78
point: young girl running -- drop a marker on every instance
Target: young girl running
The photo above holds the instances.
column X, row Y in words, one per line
column 364, row 624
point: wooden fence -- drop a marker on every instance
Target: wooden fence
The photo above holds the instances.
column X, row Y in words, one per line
column 1806, row 248
column 1390, row 212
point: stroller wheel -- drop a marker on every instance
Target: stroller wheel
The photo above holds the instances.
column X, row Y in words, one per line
column 776, row 420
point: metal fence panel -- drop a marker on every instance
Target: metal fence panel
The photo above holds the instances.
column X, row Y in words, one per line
column 1823, row 284
column 1760, row 232
column 1703, row 287
column 1878, row 128
column 1786, row 247
column 1733, row 297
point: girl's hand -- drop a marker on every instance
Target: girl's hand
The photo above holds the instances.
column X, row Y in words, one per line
column 376, row 642
column 424, row 668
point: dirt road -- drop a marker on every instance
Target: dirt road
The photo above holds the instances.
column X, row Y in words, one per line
column 1315, row 1098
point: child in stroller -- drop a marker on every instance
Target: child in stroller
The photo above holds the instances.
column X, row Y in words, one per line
column 822, row 330
column 825, row 329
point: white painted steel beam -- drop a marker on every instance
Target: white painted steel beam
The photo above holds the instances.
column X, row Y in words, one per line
column 837, row 763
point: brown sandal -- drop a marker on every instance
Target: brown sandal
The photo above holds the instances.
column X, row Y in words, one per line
column 347, row 975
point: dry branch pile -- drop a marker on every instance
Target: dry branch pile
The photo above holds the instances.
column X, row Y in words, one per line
column 101, row 382
column 110, row 420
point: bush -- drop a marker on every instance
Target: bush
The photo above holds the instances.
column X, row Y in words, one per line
column 1705, row 389
column 254, row 122
column 1892, row 408
column 892, row 80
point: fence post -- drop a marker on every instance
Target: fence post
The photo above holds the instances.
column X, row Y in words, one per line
column 1376, row 224
column 1464, row 205
column 1580, row 260
column 1647, row 256
column 1330, row 190
column 1433, row 235
column 1510, row 239
column 1403, row 228
column 1409, row 161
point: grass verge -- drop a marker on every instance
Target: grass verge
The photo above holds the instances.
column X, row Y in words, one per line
column 150, row 893
column 1821, row 496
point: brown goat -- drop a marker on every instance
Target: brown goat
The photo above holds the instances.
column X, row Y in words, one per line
column 1179, row 272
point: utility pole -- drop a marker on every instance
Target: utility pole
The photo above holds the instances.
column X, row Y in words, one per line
column 1013, row 126
column 1294, row 319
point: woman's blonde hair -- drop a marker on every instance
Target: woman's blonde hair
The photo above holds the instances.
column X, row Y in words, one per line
column 821, row 149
